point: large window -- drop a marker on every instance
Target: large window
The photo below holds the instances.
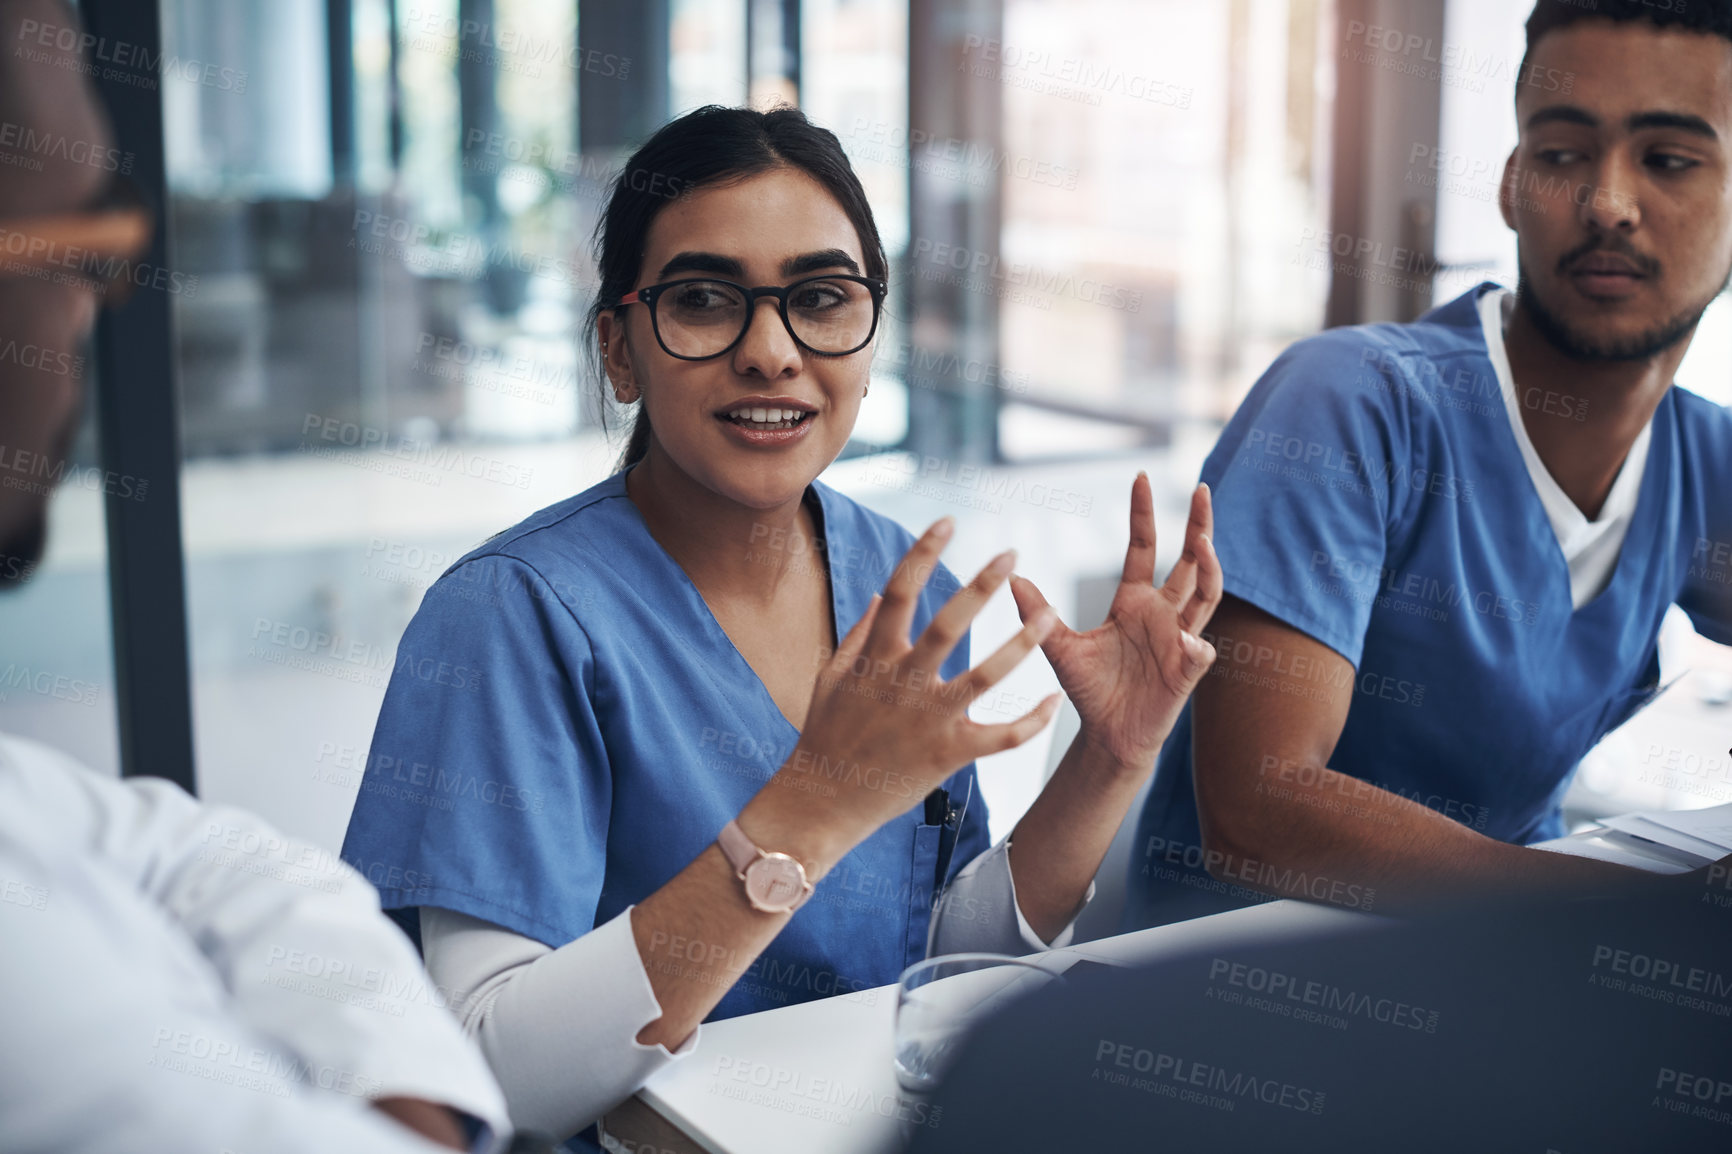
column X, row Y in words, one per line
column 385, row 228
column 1165, row 161
column 854, row 81
column 378, row 368
column 57, row 668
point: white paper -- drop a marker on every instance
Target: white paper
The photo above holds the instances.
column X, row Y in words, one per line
column 1712, row 825
column 1602, row 850
column 1642, row 825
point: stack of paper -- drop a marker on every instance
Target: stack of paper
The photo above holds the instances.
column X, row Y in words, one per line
column 1703, row 833
column 1601, row 848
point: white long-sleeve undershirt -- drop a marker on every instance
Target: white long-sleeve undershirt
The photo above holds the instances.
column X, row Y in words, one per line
column 560, row 1025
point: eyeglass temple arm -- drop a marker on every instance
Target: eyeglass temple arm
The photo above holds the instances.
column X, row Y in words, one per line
column 115, row 231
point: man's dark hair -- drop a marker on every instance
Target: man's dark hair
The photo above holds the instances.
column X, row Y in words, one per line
column 1709, row 17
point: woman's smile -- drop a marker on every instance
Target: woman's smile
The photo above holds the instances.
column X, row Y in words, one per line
column 767, row 422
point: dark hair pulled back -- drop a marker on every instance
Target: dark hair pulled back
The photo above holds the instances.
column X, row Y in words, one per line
column 710, row 146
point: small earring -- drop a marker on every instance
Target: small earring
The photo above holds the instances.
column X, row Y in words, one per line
column 867, row 391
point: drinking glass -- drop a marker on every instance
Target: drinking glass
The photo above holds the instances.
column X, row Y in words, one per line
column 941, row 999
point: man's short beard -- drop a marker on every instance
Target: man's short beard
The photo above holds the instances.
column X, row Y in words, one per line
column 20, row 553
column 1580, row 346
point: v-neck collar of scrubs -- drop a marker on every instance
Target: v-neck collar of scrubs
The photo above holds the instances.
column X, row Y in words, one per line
column 587, row 728
column 1591, row 550
column 843, row 616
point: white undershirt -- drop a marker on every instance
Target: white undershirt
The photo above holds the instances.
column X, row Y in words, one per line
column 1590, row 547
column 559, row 1026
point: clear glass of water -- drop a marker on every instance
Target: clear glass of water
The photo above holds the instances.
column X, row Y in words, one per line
column 941, row 999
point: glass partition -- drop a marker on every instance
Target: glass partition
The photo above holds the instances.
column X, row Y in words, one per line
column 377, row 372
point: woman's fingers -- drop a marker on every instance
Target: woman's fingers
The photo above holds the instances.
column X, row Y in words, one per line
column 1181, row 583
column 1194, row 585
column 1200, row 591
column 1198, row 655
column 855, row 642
column 990, row 739
column 1207, row 598
column 1203, row 509
column 1140, row 553
column 1029, row 601
column 952, row 621
column 1007, row 657
column 902, row 591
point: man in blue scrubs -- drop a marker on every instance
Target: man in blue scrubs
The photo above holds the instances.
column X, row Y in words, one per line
column 1449, row 545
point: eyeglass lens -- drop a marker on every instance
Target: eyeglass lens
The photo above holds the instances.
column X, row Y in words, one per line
column 704, row 318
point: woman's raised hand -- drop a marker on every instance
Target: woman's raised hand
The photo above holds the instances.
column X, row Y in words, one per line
column 1130, row 678
column 884, row 728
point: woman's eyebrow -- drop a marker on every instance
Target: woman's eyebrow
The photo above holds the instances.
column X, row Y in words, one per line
column 818, row 261
column 702, row 262
column 718, row 265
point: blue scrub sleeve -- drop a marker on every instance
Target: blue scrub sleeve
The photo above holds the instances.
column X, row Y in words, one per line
column 488, row 784
column 1303, row 479
column 1707, row 595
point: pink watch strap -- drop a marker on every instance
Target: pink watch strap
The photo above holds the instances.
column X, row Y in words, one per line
column 739, row 849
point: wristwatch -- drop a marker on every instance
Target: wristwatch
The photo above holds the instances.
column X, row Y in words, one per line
column 775, row 883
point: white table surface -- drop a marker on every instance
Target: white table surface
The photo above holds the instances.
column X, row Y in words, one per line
column 818, row 1076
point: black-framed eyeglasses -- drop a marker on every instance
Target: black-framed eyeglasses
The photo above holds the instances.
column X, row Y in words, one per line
column 701, row 317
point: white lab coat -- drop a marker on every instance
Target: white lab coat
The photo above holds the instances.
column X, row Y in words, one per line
column 177, row 977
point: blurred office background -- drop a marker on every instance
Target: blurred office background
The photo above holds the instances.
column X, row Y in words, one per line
column 1106, row 217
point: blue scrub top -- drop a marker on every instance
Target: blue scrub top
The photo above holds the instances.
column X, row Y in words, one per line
column 567, row 727
column 1370, row 493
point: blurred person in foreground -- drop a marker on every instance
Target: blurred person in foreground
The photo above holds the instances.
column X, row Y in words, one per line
column 1449, row 545
column 174, row 976
column 1565, row 1022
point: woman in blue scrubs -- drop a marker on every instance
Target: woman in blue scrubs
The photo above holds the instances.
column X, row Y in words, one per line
column 659, row 753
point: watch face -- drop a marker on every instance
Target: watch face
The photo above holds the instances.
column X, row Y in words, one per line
column 775, row 882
